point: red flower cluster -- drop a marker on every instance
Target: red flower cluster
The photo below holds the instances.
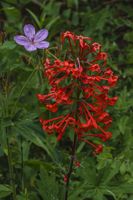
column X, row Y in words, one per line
column 80, row 87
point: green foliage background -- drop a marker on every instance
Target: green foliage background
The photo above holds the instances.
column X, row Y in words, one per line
column 108, row 176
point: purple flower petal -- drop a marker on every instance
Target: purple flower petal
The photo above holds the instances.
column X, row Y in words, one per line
column 30, row 47
column 42, row 45
column 21, row 40
column 29, row 31
column 41, row 35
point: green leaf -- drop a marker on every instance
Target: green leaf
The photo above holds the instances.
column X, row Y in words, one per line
column 3, row 139
column 52, row 22
column 47, row 186
column 37, row 164
column 124, row 188
column 109, row 172
column 75, row 18
column 80, row 147
column 71, row 3
column 111, row 193
column 34, row 17
column 130, row 56
column 12, row 14
column 8, row 45
column 129, row 36
column 85, row 171
column 30, row 135
column 122, row 124
column 5, row 190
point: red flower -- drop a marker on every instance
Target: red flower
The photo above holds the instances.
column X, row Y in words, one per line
column 96, row 46
column 99, row 149
column 52, row 107
column 95, row 68
column 83, row 72
column 65, row 178
column 77, row 164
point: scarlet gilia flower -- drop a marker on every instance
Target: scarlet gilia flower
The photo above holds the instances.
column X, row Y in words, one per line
column 79, row 92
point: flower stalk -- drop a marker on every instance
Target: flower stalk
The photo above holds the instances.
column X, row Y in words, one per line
column 9, row 152
column 73, row 154
column 70, row 167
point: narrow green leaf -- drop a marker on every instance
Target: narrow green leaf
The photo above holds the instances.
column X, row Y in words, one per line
column 5, row 190
column 53, row 21
column 34, row 17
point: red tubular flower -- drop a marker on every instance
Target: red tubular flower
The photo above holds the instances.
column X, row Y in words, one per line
column 96, row 46
column 52, row 107
column 77, row 164
column 84, row 72
column 65, row 178
column 99, row 149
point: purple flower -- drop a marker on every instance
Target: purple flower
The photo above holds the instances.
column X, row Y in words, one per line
column 32, row 41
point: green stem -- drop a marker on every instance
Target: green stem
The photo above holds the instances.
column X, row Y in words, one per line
column 40, row 69
column 10, row 167
column 9, row 152
column 51, row 54
column 22, row 163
